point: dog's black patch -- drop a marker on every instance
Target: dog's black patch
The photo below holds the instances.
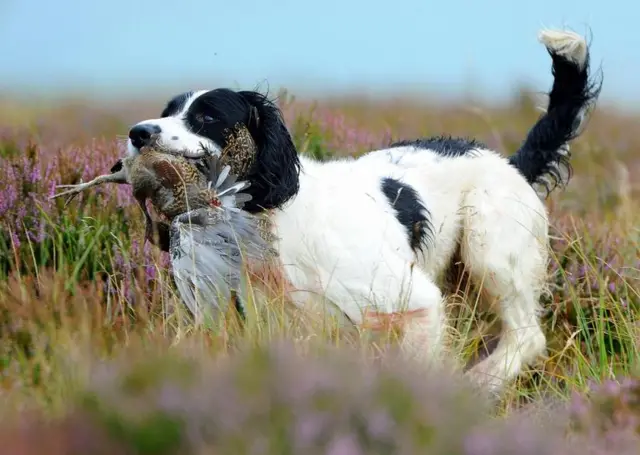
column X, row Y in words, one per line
column 446, row 146
column 116, row 167
column 176, row 104
column 274, row 174
column 410, row 212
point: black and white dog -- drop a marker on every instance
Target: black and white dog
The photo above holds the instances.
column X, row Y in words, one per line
column 379, row 232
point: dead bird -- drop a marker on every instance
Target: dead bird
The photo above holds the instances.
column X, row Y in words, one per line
column 209, row 234
column 172, row 165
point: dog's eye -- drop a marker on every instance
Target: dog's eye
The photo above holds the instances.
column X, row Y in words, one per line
column 206, row 119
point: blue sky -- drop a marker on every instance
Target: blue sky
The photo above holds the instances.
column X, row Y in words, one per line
column 108, row 48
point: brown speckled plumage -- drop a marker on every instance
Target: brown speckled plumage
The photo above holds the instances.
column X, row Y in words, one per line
column 240, row 151
column 173, row 184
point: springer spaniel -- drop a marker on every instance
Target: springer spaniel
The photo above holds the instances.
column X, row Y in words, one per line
column 376, row 234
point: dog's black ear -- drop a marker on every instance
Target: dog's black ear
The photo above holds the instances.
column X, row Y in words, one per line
column 275, row 173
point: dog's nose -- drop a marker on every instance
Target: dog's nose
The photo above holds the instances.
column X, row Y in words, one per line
column 141, row 134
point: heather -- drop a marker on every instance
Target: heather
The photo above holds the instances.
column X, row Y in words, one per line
column 96, row 356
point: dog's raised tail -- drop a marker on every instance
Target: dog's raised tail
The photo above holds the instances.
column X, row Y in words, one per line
column 543, row 158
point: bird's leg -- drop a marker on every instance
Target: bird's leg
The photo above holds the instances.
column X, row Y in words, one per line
column 74, row 190
column 156, row 232
column 148, row 221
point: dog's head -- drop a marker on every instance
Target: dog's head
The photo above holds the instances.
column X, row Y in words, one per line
column 197, row 121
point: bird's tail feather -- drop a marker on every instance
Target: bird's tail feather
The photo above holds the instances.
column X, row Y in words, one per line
column 225, row 184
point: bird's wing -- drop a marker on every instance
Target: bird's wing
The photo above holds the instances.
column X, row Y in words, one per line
column 208, row 248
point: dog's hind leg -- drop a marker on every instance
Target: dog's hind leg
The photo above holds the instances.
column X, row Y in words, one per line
column 396, row 291
column 504, row 249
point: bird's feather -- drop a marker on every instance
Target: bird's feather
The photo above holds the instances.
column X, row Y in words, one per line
column 167, row 172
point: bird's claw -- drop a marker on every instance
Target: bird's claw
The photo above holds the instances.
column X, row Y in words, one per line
column 71, row 193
